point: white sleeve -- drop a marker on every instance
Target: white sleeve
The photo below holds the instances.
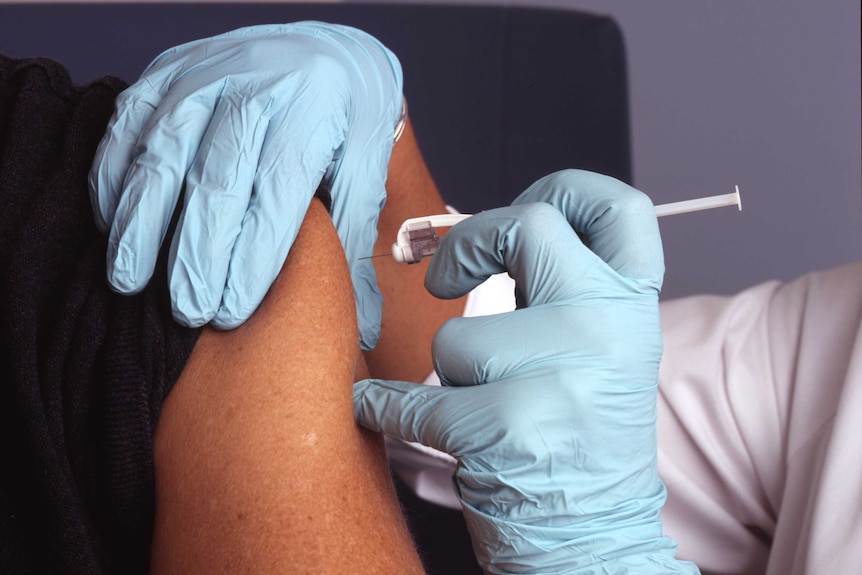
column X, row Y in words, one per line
column 760, row 421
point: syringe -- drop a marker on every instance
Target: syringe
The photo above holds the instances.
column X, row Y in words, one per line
column 417, row 237
column 673, row 208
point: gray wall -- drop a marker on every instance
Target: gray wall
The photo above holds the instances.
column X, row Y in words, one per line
column 763, row 94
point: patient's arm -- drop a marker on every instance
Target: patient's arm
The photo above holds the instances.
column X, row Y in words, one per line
column 411, row 316
column 260, row 467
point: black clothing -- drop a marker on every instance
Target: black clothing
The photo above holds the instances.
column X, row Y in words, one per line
column 83, row 371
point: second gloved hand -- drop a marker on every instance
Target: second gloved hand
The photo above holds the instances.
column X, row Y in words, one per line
column 550, row 410
column 249, row 122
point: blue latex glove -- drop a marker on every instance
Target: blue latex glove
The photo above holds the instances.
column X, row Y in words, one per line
column 550, row 410
column 249, row 121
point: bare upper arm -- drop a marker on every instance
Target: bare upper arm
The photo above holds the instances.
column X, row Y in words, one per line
column 259, row 464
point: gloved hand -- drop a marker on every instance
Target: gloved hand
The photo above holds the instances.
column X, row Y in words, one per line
column 550, row 410
column 249, row 122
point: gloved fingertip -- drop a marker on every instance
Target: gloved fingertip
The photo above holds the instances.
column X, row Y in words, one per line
column 369, row 336
column 123, row 279
column 227, row 319
column 363, row 407
column 369, row 305
column 359, row 389
column 123, row 287
column 193, row 302
column 186, row 319
column 239, row 300
column 187, row 311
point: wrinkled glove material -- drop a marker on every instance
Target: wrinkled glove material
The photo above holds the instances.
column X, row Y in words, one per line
column 247, row 123
column 550, row 410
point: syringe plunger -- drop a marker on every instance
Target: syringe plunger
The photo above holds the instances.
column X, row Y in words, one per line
column 732, row 199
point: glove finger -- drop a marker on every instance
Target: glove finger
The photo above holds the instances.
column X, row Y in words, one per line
column 151, row 191
column 478, row 350
column 218, row 190
column 358, row 177
column 357, row 230
column 533, row 242
column 358, row 194
column 618, row 221
column 412, row 412
column 566, row 296
column 134, row 108
column 296, row 151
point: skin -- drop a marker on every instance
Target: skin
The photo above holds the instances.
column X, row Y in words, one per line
column 411, row 316
column 260, row 467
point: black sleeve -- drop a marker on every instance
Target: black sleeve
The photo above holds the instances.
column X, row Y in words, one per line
column 83, row 371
